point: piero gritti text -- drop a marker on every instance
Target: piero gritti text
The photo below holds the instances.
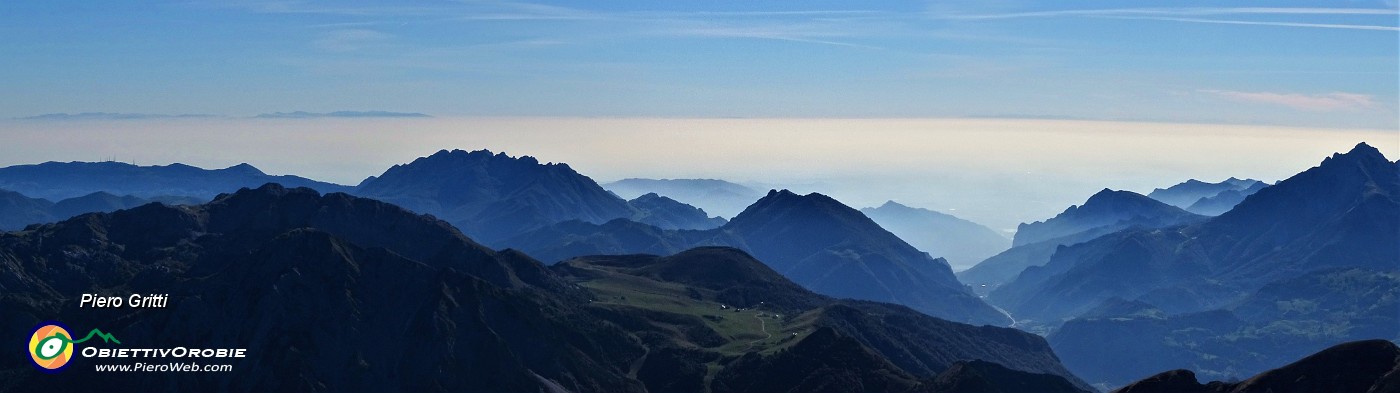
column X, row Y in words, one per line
column 135, row 300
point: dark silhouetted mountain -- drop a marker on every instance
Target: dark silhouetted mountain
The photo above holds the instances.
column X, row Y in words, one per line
column 667, row 213
column 1189, row 192
column 1371, row 366
column 492, row 197
column 807, row 342
column 715, row 196
column 350, row 114
column 18, row 211
column 1107, row 208
column 63, row 180
column 1105, row 212
column 963, row 243
column 327, row 293
column 813, row 240
column 1224, row 201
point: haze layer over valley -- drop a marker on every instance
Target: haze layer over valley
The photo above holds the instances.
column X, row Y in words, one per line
column 998, row 173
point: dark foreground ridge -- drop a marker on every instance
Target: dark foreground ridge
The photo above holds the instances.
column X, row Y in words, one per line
column 1371, row 366
column 338, row 293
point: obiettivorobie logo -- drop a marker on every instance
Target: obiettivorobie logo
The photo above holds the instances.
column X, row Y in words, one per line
column 51, row 345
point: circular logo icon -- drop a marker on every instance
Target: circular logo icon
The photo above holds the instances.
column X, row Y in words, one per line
column 50, row 346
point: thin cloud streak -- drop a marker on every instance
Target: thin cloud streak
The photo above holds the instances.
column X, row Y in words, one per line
column 1278, row 24
column 1338, row 101
column 1111, row 12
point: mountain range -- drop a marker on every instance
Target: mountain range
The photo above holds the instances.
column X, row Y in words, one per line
column 811, row 239
column 1105, row 212
column 963, row 243
column 719, row 197
column 1210, row 199
column 17, row 210
column 1297, row 266
column 654, row 294
column 787, row 338
column 493, row 197
column 338, row 293
column 1105, row 209
column 63, row 180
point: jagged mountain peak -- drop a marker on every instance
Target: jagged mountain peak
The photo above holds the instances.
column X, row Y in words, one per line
column 459, row 156
column 493, row 196
column 1334, row 185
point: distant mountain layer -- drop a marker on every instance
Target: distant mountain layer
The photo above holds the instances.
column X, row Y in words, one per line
column 1371, row 366
column 338, row 293
column 667, row 213
column 351, row 114
column 1105, row 208
column 963, row 243
column 63, row 180
column 715, row 196
column 1224, row 201
column 18, row 211
column 489, row 196
column 813, row 240
column 1187, row 193
column 492, row 197
column 1103, row 213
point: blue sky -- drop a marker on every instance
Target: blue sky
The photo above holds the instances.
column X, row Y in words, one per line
column 1316, row 64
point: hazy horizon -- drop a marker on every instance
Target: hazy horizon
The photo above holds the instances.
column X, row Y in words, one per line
column 997, row 172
